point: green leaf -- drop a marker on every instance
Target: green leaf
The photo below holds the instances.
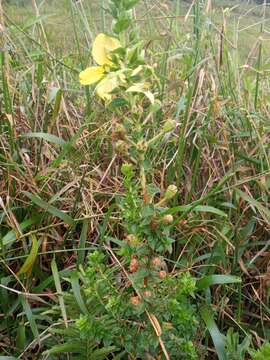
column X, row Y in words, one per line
column 210, row 209
column 45, row 136
column 265, row 213
column 129, row 4
column 121, row 24
column 31, row 258
column 77, row 292
column 30, row 316
column 56, row 95
column 218, row 338
column 63, row 348
column 59, row 290
column 207, row 281
column 11, row 236
column 197, row 208
column 83, row 238
column 101, row 353
column 139, row 88
column 51, row 209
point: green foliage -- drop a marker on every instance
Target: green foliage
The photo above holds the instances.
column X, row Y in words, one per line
column 235, row 349
column 188, row 125
column 117, row 319
column 263, row 353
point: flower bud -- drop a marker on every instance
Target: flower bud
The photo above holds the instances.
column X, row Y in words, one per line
column 162, row 274
column 147, row 293
column 167, row 219
column 170, row 192
column 169, row 126
column 127, row 169
column 121, row 147
column 133, row 267
column 135, row 300
column 132, row 240
column 156, row 261
column 142, row 146
column 120, row 131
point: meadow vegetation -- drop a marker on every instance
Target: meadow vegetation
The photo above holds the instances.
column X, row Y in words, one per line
column 134, row 180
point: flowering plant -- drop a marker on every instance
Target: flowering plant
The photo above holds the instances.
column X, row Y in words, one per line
column 137, row 307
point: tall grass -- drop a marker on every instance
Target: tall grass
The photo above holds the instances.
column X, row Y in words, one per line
column 59, row 176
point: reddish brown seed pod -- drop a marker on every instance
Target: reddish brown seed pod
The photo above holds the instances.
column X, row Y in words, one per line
column 156, row 262
column 147, row 293
column 135, row 300
column 134, row 264
column 162, row 274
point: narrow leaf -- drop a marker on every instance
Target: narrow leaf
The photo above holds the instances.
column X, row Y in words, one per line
column 51, row 209
column 31, row 258
column 59, row 290
column 45, row 136
column 207, row 281
column 77, row 292
column 217, row 337
column 30, row 316
column 63, row 348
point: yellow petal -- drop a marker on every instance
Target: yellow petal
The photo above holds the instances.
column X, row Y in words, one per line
column 106, row 86
column 142, row 88
column 102, row 46
column 91, row 75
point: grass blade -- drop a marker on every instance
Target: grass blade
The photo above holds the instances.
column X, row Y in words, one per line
column 49, row 208
column 207, row 281
column 29, row 262
column 217, row 337
column 59, row 290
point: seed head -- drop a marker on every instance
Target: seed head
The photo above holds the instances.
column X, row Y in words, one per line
column 147, row 293
column 162, row 274
column 121, row 147
column 133, row 266
column 135, row 300
column 167, row 219
column 156, row 261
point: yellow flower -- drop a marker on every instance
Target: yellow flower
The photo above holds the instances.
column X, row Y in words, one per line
column 105, row 87
column 91, row 75
column 103, row 45
column 108, row 84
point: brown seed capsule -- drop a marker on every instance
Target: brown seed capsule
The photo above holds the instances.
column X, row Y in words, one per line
column 162, row 274
column 121, row 147
column 135, row 300
column 132, row 240
column 154, row 224
column 142, row 146
column 156, row 261
column 133, row 267
column 120, row 131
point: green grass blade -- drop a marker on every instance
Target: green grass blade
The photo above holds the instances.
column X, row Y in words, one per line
column 58, row 287
column 217, row 337
column 210, row 280
column 49, row 208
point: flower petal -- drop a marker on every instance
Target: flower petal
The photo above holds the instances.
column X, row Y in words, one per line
column 142, row 88
column 106, row 86
column 91, row 75
column 102, row 46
